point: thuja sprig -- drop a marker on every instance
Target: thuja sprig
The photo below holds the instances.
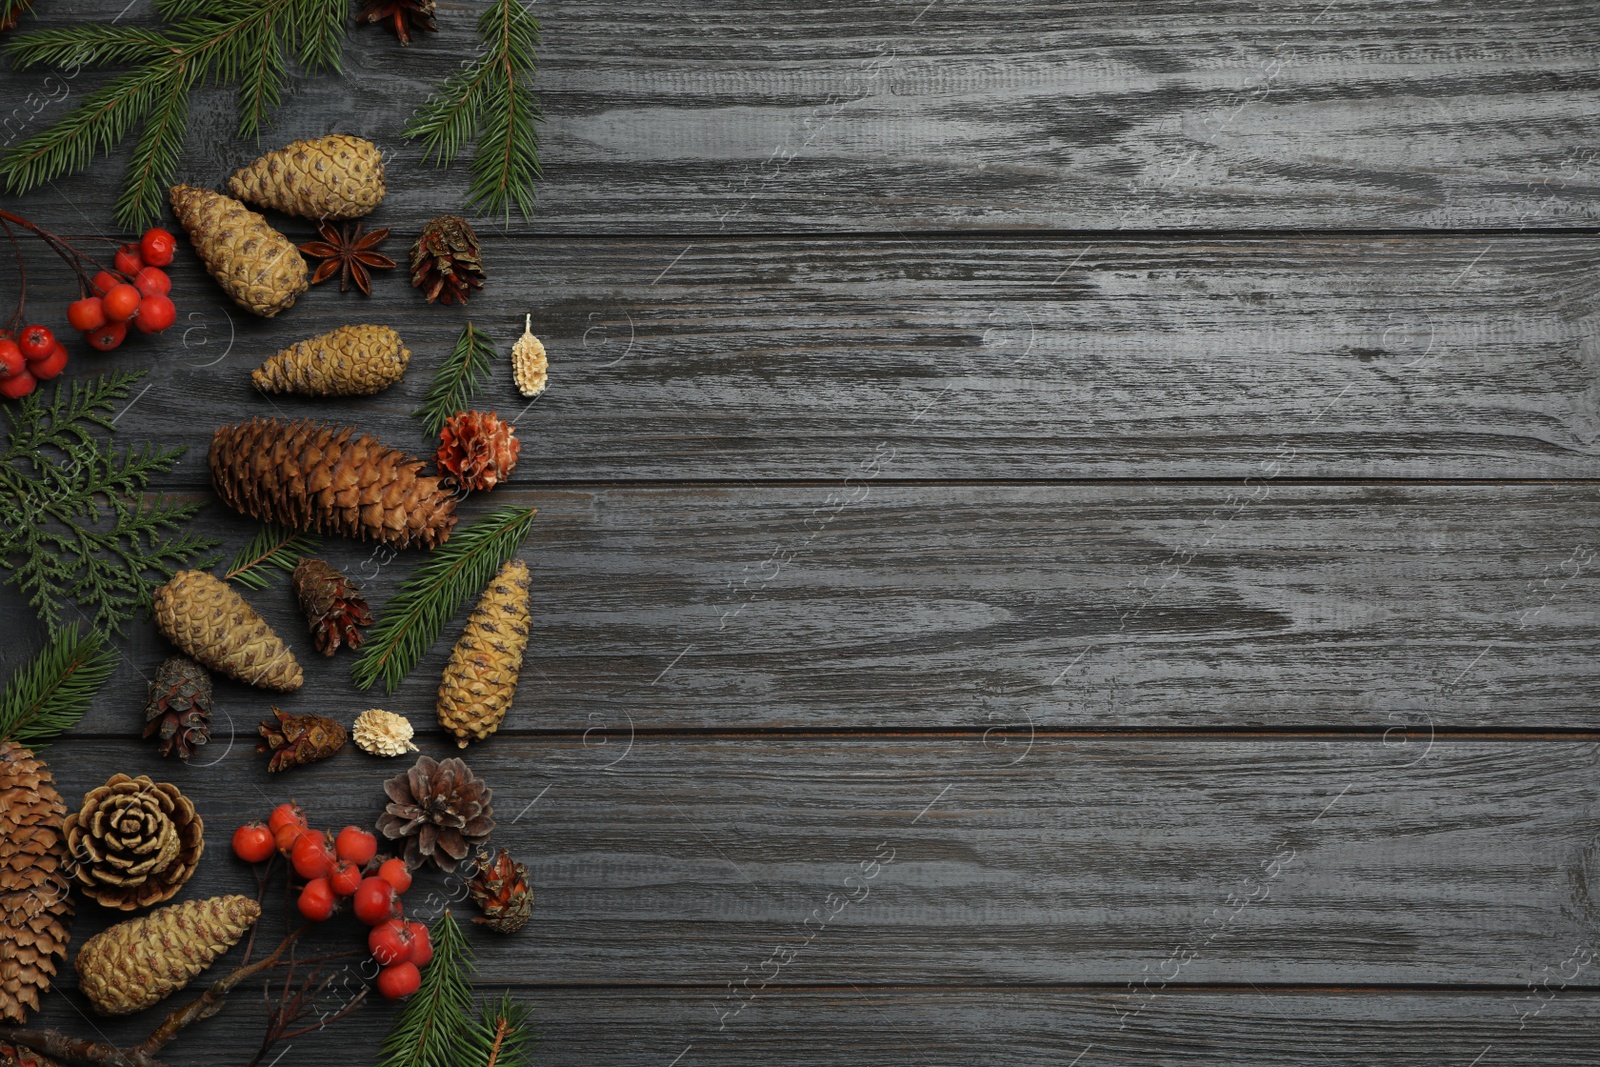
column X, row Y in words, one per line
column 458, row 380
column 273, row 547
column 490, row 101
column 218, row 42
column 49, row 694
column 415, row 615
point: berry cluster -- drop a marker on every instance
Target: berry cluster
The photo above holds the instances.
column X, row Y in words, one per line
column 31, row 357
column 135, row 294
column 346, row 866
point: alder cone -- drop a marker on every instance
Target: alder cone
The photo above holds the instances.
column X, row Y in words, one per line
column 35, row 903
column 332, row 177
column 481, row 678
column 349, row 361
column 206, row 619
column 324, row 480
column 134, row 842
column 256, row 265
column 138, row 963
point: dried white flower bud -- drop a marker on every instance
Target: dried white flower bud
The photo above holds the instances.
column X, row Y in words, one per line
column 383, row 733
column 528, row 363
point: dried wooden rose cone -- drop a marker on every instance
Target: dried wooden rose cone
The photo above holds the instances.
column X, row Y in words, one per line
column 334, row 608
column 294, row 740
column 210, row 622
column 255, row 264
column 177, row 708
column 329, row 481
column 481, row 677
column 134, row 842
column 332, row 177
column 35, row 903
column 500, row 890
column 138, row 963
column 529, row 367
column 383, row 733
column 477, row 449
column 349, row 361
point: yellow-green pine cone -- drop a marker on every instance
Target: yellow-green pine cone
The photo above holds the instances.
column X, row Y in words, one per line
column 481, row 677
column 349, row 361
column 332, row 177
column 137, row 963
column 211, row 623
column 255, row 264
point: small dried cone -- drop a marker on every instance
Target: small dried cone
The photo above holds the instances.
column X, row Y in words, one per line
column 256, row 265
column 383, row 733
column 134, row 842
column 529, row 367
column 297, row 739
column 333, row 606
column 35, row 905
column 481, row 677
column 500, row 890
column 478, row 449
column 177, row 709
column 329, row 481
column 332, row 177
column 205, row 618
column 440, row 809
column 349, row 361
column 445, row 262
column 138, row 963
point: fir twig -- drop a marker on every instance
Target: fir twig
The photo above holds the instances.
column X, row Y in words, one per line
column 490, row 101
column 273, row 547
column 434, row 1020
column 458, row 380
column 500, row 1036
column 49, row 694
column 219, row 42
column 412, row 619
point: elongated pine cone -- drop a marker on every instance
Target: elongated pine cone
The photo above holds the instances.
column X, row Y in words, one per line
column 481, row 678
column 439, row 809
column 500, row 890
column 446, row 262
column 383, row 733
column 35, row 902
column 298, row 739
column 329, row 481
column 256, row 265
column 478, row 449
column 177, row 709
column 332, row 177
column 134, row 842
column 334, row 608
column 349, row 361
column 205, row 618
column 529, row 367
column 142, row 961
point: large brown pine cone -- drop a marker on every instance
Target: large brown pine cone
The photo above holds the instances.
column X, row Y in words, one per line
column 134, row 842
column 137, row 963
column 35, row 905
column 439, row 809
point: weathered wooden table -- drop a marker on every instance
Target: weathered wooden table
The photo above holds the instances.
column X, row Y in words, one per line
column 1066, row 532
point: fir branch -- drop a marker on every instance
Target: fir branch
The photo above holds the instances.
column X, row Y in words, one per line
column 434, row 592
column 458, row 380
column 500, row 1036
column 49, row 694
column 273, row 547
column 490, row 100
column 434, row 1020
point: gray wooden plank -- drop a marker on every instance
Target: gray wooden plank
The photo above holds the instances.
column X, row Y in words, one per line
column 1010, row 1027
column 761, row 359
column 960, row 861
column 717, row 117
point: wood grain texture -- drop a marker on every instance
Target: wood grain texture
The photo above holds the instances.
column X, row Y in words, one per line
column 1078, row 607
column 714, row 116
column 752, row 360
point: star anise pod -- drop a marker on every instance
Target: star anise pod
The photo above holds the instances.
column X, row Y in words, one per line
column 348, row 252
column 404, row 17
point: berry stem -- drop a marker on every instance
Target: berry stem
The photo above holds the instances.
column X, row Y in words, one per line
column 69, row 255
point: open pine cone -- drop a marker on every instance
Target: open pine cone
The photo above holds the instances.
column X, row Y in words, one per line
column 445, row 261
column 134, row 842
column 439, row 809
column 500, row 890
column 334, row 608
column 479, row 449
column 178, row 708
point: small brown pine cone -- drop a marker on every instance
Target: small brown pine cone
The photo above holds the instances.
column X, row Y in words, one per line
column 446, row 263
column 349, row 361
column 142, row 961
column 478, row 449
column 256, row 265
column 178, row 707
column 332, row 177
column 333, row 606
column 480, row 680
column 500, row 890
column 297, row 739
column 204, row 617
column 439, row 809
column 134, row 842
column 35, row 902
